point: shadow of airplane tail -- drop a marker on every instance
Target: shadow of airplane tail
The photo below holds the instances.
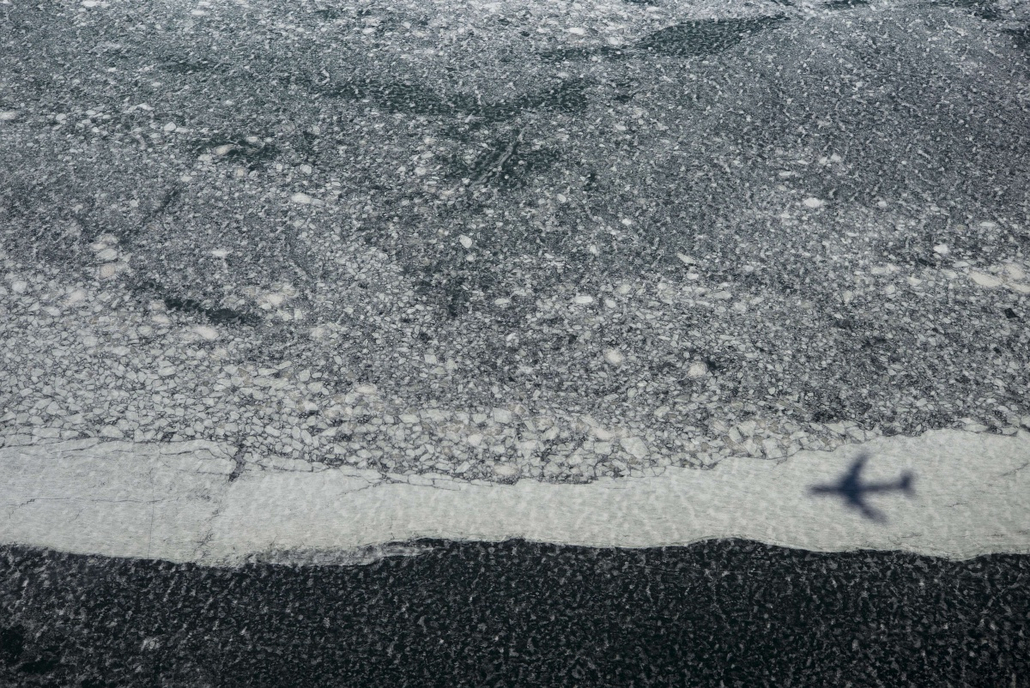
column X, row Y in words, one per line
column 905, row 484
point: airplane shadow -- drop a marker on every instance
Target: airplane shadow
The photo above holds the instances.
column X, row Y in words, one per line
column 853, row 491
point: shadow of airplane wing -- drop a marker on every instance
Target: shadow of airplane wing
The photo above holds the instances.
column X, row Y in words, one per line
column 850, row 480
column 868, row 511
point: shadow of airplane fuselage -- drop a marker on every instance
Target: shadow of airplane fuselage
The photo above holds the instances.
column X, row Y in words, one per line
column 853, row 491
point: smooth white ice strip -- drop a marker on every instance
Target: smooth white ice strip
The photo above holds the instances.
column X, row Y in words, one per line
column 115, row 498
column 175, row 502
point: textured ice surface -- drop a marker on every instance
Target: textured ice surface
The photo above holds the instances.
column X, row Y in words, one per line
column 536, row 244
column 287, row 287
column 177, row 502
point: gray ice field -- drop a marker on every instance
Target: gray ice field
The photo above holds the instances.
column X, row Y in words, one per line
column 282, row 278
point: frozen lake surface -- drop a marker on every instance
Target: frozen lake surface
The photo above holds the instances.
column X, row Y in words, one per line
column 340, row 286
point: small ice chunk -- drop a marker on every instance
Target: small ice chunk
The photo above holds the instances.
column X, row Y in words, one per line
column 206, row 332
column 985, row 280
column 697, row 370
column 505, row 470
column 1014, row 271
column 273, row 299
column 634, row 446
